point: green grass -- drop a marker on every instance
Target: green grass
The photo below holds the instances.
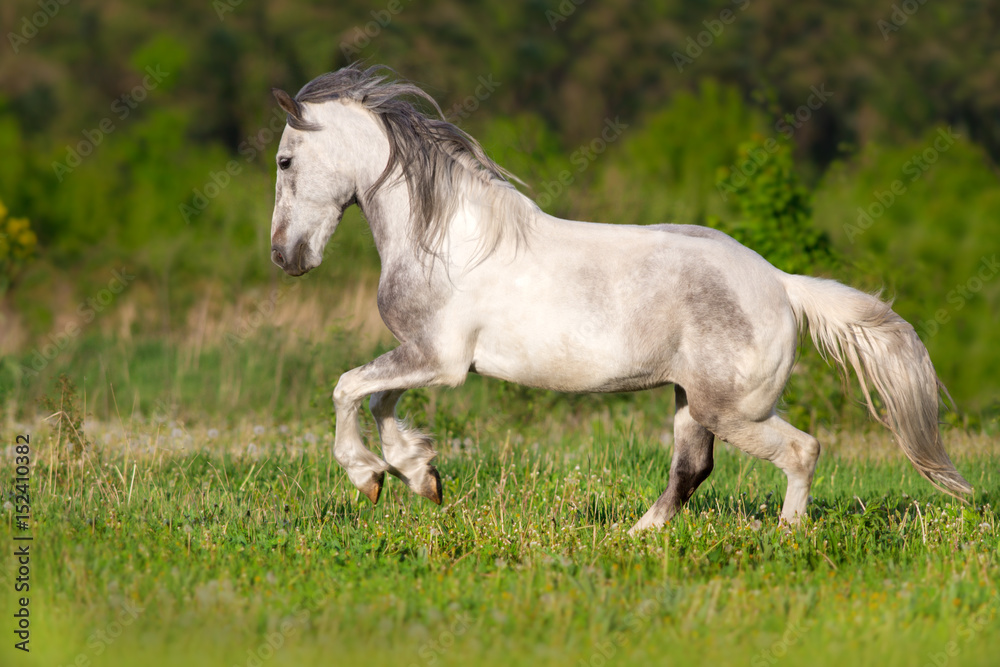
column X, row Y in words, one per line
column 264, row 554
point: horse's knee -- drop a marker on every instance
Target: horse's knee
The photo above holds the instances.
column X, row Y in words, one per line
column 350, row 389
column 343, row 396
column 338, row 394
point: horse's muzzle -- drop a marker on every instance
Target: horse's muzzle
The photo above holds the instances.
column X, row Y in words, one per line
column 293, row 262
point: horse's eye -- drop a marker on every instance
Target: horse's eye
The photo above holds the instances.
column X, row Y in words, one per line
column 285, row 162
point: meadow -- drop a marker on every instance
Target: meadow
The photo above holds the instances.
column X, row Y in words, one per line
column 163, row 542
column 185, row 506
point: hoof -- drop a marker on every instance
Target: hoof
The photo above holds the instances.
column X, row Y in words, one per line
column 638, row 528
column 426, row 482
column 654, row 518
column 431, row 487
column 373, row 489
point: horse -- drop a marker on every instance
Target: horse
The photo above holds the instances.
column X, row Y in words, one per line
column 476, row 278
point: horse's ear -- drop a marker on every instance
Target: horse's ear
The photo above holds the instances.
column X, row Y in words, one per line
column 286, row 102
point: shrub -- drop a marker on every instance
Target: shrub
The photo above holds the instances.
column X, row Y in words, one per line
column 17, row 247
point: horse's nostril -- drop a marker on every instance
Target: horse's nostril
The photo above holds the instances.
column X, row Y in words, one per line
column 277, row 257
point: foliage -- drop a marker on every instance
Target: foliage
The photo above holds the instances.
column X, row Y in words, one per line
column 920, row 223
column 664, row 169
column 180, row 189
column 17, row 246
column 66, row 414
column 775, row 208
column 595, row 60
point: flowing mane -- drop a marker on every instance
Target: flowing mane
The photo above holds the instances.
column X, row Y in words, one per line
column 439, row 161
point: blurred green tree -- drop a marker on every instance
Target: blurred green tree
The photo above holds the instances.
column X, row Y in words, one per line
column 775, row 208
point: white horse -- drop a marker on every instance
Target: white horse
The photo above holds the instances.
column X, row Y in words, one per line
column 476, row 278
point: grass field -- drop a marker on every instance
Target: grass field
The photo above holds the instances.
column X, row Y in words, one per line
column 166, row 544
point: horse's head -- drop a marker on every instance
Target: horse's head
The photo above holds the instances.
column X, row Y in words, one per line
column 354, row 136
column 319, row 160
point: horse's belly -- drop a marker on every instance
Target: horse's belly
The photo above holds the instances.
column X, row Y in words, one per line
column 571, row 359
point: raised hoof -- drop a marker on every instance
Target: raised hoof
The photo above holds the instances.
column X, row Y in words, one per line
column 431, row 488
column 373, row 489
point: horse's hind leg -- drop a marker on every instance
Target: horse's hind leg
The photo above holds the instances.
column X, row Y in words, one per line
column 777, row 441
column 691, row 465
column 407, row 451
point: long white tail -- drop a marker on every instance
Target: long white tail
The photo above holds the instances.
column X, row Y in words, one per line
column 855, row 328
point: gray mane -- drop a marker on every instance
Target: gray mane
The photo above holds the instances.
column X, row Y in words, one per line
column 435, row 156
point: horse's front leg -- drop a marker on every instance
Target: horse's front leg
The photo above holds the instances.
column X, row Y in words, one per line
column 403, row 368
column 408, row 451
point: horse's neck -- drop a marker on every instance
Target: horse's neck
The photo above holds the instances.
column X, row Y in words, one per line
column 389, row 217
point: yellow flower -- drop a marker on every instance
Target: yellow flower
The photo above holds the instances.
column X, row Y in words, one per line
column 17, row 242
column 27, row 238
column 15, row 225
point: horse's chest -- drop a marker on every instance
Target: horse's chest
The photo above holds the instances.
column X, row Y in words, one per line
column 408, row 302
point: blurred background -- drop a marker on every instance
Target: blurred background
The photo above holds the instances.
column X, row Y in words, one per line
column 852, row 140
